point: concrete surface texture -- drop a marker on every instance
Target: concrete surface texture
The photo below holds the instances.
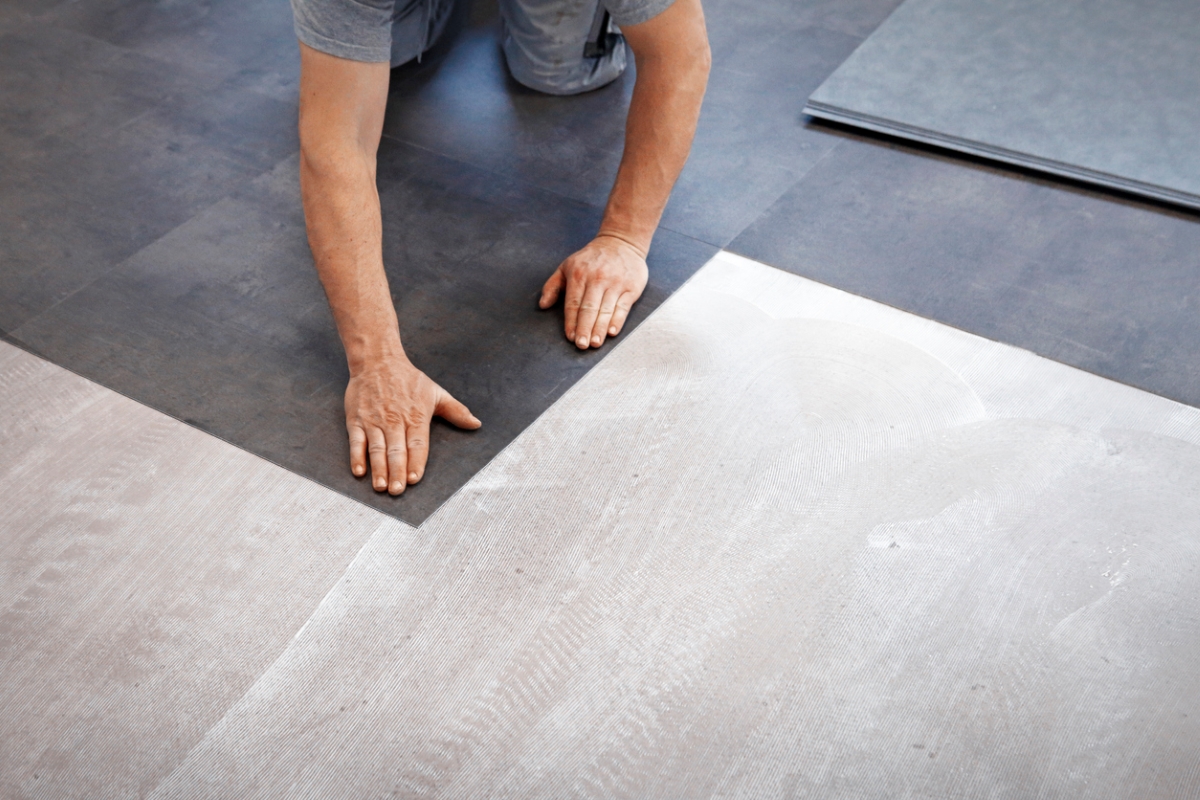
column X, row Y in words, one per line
column 782, row 542
column 149, row 573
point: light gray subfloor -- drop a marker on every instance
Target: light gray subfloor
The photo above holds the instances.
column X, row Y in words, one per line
column 149, row 574
column 1106, row 91
column 781, row 542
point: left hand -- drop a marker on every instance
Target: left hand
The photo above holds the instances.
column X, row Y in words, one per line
column 602, row 282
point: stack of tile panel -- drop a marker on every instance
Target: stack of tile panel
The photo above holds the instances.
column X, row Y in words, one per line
column 1104, row 91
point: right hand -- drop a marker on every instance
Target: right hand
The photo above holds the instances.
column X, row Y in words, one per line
column 389, row 407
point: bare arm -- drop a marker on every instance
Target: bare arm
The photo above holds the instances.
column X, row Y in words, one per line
column 389, row 403
column 603, row 280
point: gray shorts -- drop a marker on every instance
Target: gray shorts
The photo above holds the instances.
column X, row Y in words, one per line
column 554, row 46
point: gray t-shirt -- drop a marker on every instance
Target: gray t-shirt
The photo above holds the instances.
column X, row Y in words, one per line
column 398, row 30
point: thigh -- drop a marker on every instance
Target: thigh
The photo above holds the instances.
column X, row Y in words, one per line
column 416, row 26
column 561, row 46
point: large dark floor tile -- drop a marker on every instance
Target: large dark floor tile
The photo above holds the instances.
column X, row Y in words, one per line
column 753, row 142
column 1103, row 91
column 248, row 42
column 56, row 81
column 103, row 151
column 751, row 145
column 223, row 323
column 17, row 11
column 754, row 24
column 1088, row 278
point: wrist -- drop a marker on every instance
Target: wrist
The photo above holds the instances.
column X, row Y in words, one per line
column 366, row 352
column 639, row 244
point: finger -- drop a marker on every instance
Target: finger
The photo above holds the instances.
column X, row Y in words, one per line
column 551, row 289
column 589, row 309
column 397, row 460
column 620, row 313
column 607, row 306
column 358, row 450
column 574, row 298
column 455, row 412
column 377, row 453
column 417, row 435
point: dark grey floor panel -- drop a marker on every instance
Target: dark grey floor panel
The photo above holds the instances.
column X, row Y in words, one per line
column 222, row 323
column 251, row 44
column 1106, row 91
column 103, row 151
column 1086, row 278
column 751, row 144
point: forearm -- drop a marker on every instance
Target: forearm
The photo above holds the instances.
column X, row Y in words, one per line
column 341, row 121
column 389, row 402
column 664, row 110
column 341, row 209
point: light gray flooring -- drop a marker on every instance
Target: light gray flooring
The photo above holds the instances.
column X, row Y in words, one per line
column 149, row 574
column 782, row 542
column 1106, row 91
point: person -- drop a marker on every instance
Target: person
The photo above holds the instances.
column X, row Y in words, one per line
column 347, row 48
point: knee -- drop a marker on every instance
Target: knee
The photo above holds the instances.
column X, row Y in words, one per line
column 557, row 71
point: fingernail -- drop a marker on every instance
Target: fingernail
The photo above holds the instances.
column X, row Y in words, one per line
column 397, row 486
column 612, row 331
column 596, row 341
column 359, row 471
column 582, row 342
column 381, row 484
column 412, row 477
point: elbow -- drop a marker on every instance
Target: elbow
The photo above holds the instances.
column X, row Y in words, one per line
column 325, row 156
column 692, row 71
column 685, row 70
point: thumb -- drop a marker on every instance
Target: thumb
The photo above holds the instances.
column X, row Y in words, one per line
column 455, row 412
column 551, row 289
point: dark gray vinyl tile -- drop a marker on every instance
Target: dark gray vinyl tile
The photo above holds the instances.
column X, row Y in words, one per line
column 76, row 212
column 18, row 11
column 1088, row 278
column 753, row 142
column 750, row 146
column 171, row 358
column 227, row 121
column 222, row 322
column 104, row 151
column 249, row 42
column 1105, row 91
column 55, row 81
column 731, row 21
